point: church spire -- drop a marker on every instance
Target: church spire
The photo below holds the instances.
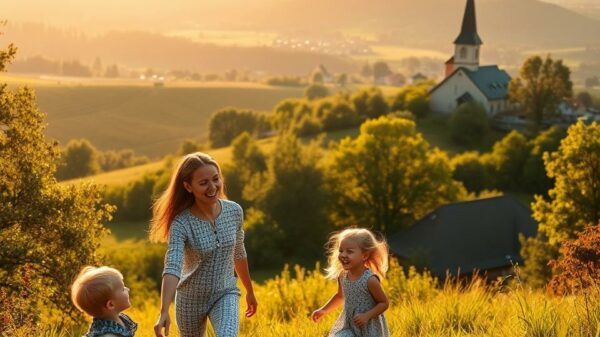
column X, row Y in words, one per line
column 468, row 33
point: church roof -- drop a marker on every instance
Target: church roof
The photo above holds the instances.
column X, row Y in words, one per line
column 468, row 33
column 490, row 80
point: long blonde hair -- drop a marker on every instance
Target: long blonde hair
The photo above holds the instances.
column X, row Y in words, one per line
column 377, row 250
column 176, row 198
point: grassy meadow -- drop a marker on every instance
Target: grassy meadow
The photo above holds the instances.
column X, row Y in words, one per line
column 419, row 306
column 152, row 121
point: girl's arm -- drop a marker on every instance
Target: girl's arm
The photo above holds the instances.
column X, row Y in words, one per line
column 167, row 292
column 381, row 302
column 335, row 301
column 242, row 270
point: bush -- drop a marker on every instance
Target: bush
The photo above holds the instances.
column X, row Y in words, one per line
column 469, row 124
column 315, row 91
column 472, row 171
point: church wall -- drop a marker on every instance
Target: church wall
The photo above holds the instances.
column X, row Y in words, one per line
column 443, row 99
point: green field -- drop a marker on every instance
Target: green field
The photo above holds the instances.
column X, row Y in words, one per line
column 150, row 121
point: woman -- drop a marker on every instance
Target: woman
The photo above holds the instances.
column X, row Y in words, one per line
column 205, row 246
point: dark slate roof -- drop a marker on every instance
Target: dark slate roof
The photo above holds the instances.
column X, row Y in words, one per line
column 490, row 80
column 473, row 235
column 468, row 33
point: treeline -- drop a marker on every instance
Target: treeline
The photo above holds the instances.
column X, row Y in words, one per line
column 79, row 158
column 74, row 67
column 318, row 112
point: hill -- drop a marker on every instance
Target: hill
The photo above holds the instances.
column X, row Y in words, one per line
column 510, row 23
column 151, row 121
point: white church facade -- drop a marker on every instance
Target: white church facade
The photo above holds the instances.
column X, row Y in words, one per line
column 465, row 80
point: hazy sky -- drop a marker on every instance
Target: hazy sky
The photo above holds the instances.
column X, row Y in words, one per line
column 155, row 15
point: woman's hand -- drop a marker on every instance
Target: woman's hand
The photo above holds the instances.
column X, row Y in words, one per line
column 164, row 321
column 317, row 314
column 251, row 305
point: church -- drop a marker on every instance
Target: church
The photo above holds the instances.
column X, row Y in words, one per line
column 465, row 80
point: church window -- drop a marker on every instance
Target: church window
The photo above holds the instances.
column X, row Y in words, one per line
column 463, row 52
column 477, row 53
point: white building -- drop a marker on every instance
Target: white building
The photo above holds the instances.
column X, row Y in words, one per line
column 465, row 80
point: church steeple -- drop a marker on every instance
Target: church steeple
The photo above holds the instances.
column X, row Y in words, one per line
column 468, row 33
column 466, row 51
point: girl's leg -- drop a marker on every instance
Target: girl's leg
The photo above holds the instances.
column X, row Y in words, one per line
column 225, row 315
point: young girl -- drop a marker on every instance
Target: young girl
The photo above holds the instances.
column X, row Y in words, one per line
column 357, row 260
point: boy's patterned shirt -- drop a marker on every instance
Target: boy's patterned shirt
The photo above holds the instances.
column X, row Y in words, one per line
column 100, row 327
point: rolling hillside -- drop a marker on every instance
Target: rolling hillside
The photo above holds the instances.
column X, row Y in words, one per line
column 150, row 121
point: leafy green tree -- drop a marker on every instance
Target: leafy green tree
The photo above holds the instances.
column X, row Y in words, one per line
column 414, row 98
column 469, row 124
column 340, row 116
column 585, row 99
column 575, row 199
column 573, row 203
column 228, row 123
column 247, row 162
column 472, row 170
column 264, row 240
column 79, row 159
column 190, row 146
column 541, row 85
column 294, row 196
column 315, row 91
column 381, row 69
column 388, row 176
column 369, row 103
column 535, row 178
column 48, row 231
column 507, row 161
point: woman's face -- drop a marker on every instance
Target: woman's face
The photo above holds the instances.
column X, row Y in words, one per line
column 205, row 184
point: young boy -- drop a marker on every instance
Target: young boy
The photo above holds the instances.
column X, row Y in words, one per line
column 100, row 293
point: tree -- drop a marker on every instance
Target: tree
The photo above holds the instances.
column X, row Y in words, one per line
column 540, row 87
column 366, row 71
column 578, row 268
column 342, row 80
column 48, row 231
column 573, row 203
column 388, row 176
column 535, row 178
column 112, row 71
column 380, row 70
column 226, row 124
column 470, row 168
column 79, row 159
column 469, row 124
column 508, row 159
column 575, row 199
column 315, row 91
column 294, row 196
column 340, row 116
column 584, row 98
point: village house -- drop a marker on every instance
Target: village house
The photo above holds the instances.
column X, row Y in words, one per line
column 464, row 237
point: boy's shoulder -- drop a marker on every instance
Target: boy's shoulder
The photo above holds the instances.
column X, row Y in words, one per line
column 106, row 328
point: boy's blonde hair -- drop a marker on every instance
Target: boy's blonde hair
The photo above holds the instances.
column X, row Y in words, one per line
column 93, row 287
column 366, row 240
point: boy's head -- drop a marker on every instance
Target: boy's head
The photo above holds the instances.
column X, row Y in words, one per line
column 98, row 291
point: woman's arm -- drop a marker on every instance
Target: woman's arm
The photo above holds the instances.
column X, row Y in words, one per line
column 381, row 302
column 334, row 302
column 167, row 292
column 242, row 270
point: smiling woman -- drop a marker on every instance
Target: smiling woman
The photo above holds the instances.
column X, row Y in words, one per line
column 205, row 251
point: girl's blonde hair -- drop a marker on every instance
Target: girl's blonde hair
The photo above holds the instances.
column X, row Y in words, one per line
column 176, row 198
column 366, row 240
